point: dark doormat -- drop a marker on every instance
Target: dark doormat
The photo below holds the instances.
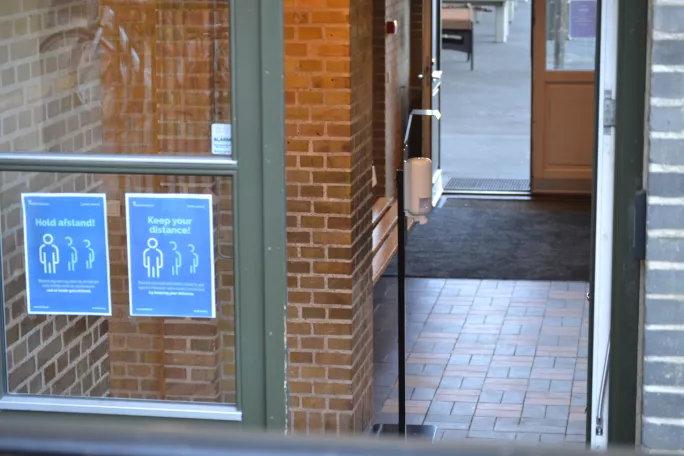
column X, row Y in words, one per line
column 504, row 240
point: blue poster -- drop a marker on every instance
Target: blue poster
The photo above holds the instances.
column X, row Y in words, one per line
column 170, row 255
column 66, row 254
column 583, row 19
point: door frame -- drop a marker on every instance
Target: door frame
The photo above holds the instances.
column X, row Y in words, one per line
column 260, row 258
column 630, row 115
column 623, row 292
column 625, row 270
column 602, row 227
column 431, row 88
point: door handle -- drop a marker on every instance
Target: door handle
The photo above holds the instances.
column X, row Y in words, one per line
column 435, row 89
column 436, row 75
column 602, row 391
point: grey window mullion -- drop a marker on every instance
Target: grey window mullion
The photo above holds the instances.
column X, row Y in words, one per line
column 249, row 265
column 259, row 119
column 274, row 210
column 118, row 164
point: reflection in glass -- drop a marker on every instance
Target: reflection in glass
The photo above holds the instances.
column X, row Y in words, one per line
column 178, row 359
column 571, row 28
column 113, row 76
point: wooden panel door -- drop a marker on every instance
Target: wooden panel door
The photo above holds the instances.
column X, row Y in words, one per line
column 563, row 61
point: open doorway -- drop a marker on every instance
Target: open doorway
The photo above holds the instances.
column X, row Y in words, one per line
column 486, row 97
column 503, row 341
column 517, row 100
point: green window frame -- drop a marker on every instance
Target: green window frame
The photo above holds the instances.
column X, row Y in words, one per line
column 257, row 169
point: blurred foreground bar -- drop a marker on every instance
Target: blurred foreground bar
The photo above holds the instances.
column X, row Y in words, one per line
column 47, row 434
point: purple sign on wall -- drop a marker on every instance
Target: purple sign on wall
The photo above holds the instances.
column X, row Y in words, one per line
column 583, row 19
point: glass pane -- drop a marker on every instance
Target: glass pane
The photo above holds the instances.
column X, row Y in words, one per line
column 54, row 259
column 115, row 76
column 571, row 35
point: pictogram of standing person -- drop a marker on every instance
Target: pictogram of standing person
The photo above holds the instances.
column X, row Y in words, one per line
column 153, row 258
column 49, row 254
column 178, row 260
column 195, row 260
column 91, row 254
column 73, row 256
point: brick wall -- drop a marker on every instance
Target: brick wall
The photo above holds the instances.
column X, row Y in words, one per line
column 40, row 109
column 181, row 87
column 167, row 107
column 663, row 371
column 391, row 65
column 361, row 15
column 163, row 103
column 181, row 83
column 328, row 126
column 173, row 359
column 55, row 355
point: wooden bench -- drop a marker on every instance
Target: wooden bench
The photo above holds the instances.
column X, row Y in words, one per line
column 457, row 31
column 385, row 234
column 502, row 11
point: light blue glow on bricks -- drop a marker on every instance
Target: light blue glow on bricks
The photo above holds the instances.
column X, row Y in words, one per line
column 664, row 343
column 666, row 184
column 667, row 85
column 667, row 52
column 667, row 119
column 668, row 19
column 665, row 217
column 664, row 312
column 663, row 281
column 663, row 437
column 667, row 151
column 663, row 338
column 663, row 374
column 665, row 249
column 664, row 405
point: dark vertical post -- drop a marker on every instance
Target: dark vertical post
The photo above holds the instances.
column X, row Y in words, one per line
column 425, row 431
column 401, row 317
column 632, row 63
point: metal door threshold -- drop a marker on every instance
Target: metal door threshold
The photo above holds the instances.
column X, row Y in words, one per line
column 498, row 187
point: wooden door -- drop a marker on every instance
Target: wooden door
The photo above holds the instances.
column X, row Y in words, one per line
column 563, row 61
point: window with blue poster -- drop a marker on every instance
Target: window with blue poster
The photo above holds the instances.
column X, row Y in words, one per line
column 66, row 254
column 171, row 255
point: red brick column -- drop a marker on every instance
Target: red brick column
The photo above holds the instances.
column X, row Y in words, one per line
column 329, row 128
column 391, row 65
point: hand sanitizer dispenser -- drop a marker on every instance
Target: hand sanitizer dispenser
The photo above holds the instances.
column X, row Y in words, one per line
column 418, row 188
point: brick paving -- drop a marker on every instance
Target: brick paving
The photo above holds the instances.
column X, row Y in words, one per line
column 486, row 359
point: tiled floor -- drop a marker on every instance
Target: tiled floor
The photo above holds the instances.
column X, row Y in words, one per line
column 487, row 359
